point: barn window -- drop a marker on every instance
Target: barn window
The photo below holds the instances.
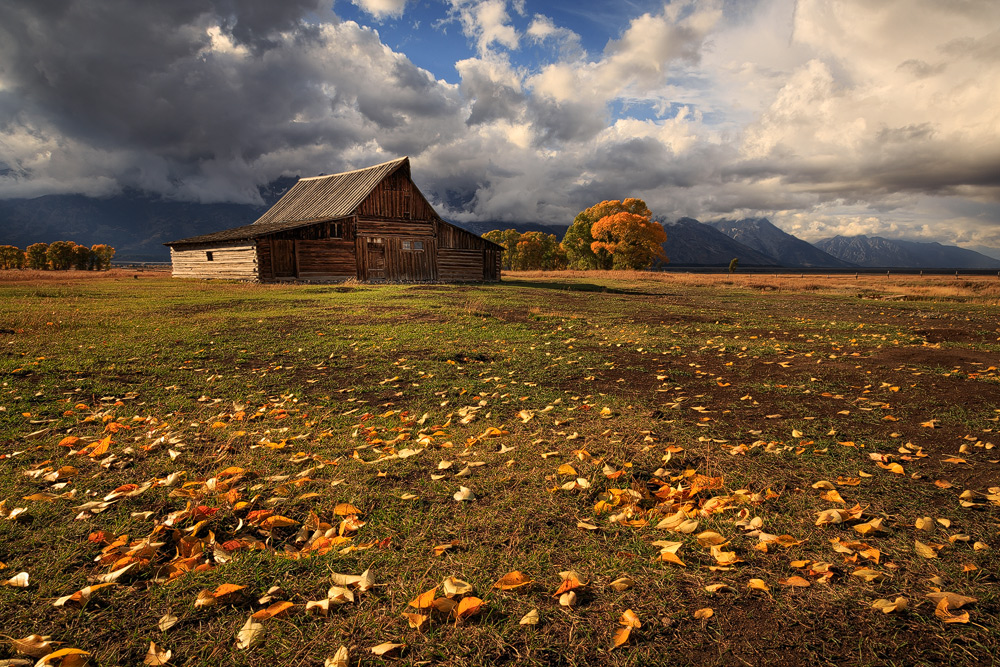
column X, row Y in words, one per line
column 418, row 245
column 208, row 256
column 406, row 245
column 336, row 230
column 413, row 245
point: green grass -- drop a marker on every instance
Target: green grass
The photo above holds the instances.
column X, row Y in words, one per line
column 306, row 387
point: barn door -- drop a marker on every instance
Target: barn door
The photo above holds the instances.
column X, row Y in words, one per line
column 375, row 258
column 283, row 258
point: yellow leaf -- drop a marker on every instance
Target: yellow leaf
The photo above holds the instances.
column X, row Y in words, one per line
column 453, row 586
column 924, row 523
column 340, row 659
column 425, row 599
column 568, row 599
column 833, row 496
column 943, row 611
column 704, row 614
column 924, row 550
column 621, row 584
column 386, row 648
column 629, row 619
column 19, row 580
column 887, row 607
column 345, row 509
column 415, row 620
column 531, row 618
column 567, row 469
column 621, row 636
column 710, row 538
column 758, row 584
column 512, row 580
column 46, row 660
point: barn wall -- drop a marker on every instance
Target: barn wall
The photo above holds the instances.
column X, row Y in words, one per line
column 230, row 261
column 331, row 259
column 396, row 197
column 458, row 264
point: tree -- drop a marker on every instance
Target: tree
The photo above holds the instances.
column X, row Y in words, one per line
column 83, row 258
column 733, row 263
column 60, row 255
column 614, row 234
column 102, row 255
column 37, row 256
column 11, row 257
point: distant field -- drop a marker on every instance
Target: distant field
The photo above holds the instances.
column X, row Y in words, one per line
column 725, row 469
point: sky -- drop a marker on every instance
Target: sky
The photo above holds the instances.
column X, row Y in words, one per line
column 826, row 116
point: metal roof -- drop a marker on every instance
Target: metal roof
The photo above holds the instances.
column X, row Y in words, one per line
column 326, row 197
column 246, row 232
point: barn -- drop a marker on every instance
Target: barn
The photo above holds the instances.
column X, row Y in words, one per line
column 371, row 224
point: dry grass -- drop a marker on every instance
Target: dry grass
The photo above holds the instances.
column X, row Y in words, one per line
column 975, row 289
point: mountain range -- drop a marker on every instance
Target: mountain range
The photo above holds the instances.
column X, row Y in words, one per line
column 138, row 224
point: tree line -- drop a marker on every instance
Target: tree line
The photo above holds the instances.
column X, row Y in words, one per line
column 611, row 235
column 57, row 256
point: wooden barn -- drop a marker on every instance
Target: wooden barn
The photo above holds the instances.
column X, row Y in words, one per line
column 372, row 224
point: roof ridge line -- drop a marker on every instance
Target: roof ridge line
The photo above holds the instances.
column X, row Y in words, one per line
column 352, row 171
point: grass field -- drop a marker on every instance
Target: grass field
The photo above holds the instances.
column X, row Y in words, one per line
column 561, row 469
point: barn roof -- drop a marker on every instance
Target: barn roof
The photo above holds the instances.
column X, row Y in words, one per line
column 246, row 231
column 333, row 196
column 312, row 199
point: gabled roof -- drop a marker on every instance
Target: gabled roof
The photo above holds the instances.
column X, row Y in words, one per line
column 327, row 197
column 312, row 199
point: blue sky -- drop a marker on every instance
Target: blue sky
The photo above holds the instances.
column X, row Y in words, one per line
column 827, row 116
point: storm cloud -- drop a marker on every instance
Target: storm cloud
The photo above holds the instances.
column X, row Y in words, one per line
column 829, row 117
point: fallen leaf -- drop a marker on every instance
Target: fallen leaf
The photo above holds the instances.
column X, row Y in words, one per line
column 468, row 607
column 452, row 586
column 887, row 607
column 621, row 584
column 415, row 621
column 34, row 645
column 425, row 599
column 955, row 600
column 531, row 618
column 73, row 656
column 943, row 611
column 464, row 493
column 387, row 648
column 568, row 599
column 248, row 634
column 795, row 581
column 156, row 655
column 512, row 580
column 272, row 610
column 704, row 614
column 924, row 550
column 166, row 622
column 19, row 580
column 340, row 659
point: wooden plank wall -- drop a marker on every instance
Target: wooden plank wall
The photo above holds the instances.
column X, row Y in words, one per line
column 396, row 197
column 332, row 259
column 459, row 264
column 229, row 262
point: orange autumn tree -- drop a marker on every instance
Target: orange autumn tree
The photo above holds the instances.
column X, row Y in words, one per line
column 627, row 233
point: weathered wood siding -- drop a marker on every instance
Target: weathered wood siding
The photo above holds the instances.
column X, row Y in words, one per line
column 463, row 255
column 234, row 261
column 396, row 198
column 330, row 259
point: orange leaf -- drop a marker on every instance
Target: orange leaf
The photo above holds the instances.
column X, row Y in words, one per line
column 467, row 607
column 345, row 509
column 425, row 599
column 273, row 610
column 512, row 580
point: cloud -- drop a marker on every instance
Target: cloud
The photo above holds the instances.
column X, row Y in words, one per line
column 487, row 23
column 382, row 8
column 828, row 117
